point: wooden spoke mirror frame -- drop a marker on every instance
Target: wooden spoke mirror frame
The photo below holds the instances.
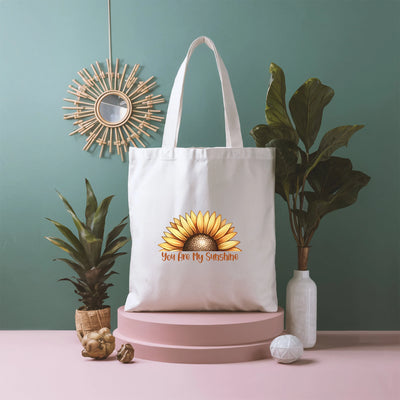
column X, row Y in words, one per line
column 113, row 109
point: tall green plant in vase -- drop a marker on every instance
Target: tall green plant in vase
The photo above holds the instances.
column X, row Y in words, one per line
column 91, row 258
column 310, row 180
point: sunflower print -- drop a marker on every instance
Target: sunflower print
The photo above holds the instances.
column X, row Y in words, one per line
column 200, row 233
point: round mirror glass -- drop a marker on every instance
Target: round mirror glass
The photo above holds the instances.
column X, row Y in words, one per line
column 113, row 108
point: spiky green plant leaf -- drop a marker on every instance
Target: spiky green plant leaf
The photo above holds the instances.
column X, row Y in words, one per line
column 68, row 249
column 91, row 203
column 76, row 267
column 115, row 232
column 65, row 201
column 68, row 235
column 107, row 260
column 99, row 218
column 91, row 243
column 115, row 245
column 92, row 265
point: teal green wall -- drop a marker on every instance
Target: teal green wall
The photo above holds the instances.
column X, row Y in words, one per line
column 350, row 45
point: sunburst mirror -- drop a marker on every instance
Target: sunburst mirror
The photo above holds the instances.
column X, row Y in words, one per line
column 113, row 109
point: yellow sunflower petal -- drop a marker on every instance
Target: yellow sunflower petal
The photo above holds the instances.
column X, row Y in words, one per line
column 167, row 247
column 177, row 222
column 200, row 222
column 205, row 221
column 217, row 224
column 173, row 242
column 190, row 223
column 231, row 229
column 173, row 225
column 211, row 223
column 226, row 237
column 234, row 249
column 183, row 231
column 228, row 245
column 222, row 231
column 177, row 234
column 168, row 234
column 193, row 217
column 186, row 226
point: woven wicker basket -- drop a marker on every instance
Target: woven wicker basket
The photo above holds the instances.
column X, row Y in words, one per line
column 92, row 320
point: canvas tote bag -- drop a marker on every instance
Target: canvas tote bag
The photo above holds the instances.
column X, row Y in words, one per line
column 202, row 219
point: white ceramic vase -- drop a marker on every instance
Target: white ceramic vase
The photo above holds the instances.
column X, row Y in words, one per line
column 301, row 308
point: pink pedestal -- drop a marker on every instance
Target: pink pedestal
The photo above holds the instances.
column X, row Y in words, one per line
column 199, row 337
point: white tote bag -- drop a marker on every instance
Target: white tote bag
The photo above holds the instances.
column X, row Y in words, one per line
column 202, row 219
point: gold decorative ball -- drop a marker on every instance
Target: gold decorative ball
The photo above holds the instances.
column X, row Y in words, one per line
column 98, row 344
column 126, row 353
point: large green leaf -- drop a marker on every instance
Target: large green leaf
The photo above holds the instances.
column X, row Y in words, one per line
column 336, row 138
column 335, row 186
column 275, row 109
column 347, row 194
column 292, row 182
column 306, row 106
column 99, row 219
column 287, row 155
column 330, row 175
column 91, row 203
column 263, row 134
column 332, row 140
column 116, row 231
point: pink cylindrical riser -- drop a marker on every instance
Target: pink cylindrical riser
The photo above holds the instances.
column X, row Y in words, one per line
column 200, row 328
column 196, row 354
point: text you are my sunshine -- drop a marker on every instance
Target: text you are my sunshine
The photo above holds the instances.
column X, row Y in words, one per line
column 199, row 256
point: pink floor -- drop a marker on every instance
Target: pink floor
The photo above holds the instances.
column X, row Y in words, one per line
column 344, row 365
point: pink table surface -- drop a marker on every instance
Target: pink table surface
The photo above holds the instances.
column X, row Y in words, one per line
column 343, row 365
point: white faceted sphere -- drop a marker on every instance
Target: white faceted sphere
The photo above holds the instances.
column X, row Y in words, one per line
column 286, row 349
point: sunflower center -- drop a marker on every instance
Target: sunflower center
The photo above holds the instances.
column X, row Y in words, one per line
column 200, row 242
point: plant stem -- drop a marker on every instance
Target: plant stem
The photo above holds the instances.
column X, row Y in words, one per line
column 302, row 257
column 296, row 219
column 312, row 234
column 291, row 221
column 302, row 192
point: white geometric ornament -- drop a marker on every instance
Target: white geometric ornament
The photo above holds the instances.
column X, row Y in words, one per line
column 286, row 349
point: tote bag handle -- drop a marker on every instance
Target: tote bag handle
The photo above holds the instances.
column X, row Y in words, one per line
column 174, row 113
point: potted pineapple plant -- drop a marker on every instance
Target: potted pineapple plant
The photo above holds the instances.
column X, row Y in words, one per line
column 312, row 183
column 91, row 258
